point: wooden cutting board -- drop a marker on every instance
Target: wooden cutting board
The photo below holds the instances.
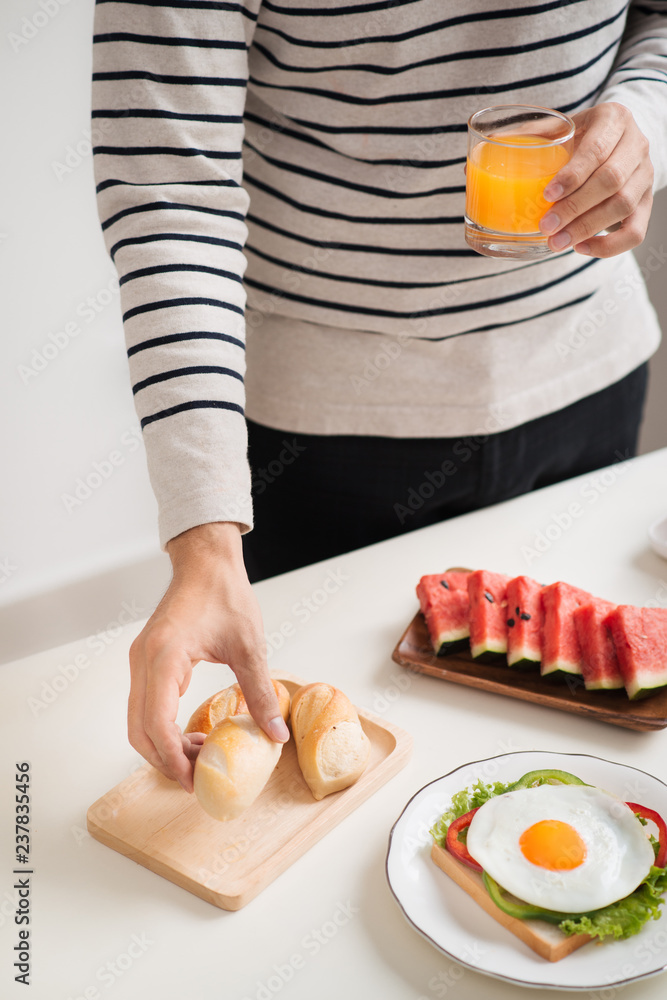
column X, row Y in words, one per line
column 155, row 823
column 415, row 651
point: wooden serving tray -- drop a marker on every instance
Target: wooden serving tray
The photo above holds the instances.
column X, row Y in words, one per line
column 414, row 651
column 155, row 823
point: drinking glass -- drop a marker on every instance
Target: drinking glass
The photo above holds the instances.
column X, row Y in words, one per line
column 513, row 152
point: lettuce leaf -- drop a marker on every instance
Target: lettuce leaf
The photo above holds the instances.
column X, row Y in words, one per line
column 463, row 802
column 627, row 916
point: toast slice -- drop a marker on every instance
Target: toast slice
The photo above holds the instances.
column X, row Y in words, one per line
column 545, row 939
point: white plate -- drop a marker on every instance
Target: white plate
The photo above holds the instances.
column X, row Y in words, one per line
column 447, row 917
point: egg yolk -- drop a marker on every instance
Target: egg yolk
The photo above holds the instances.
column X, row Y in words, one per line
column 553, row 845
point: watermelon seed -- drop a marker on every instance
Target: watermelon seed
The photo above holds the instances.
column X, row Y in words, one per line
column 443, row 583
column 518, row 611
column 489, row 596
column 510, row 622
column 526, row 617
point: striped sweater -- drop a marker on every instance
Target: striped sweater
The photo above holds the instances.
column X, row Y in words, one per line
column 322, row 145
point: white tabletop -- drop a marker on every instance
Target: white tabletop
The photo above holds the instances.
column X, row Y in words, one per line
column 329, row 926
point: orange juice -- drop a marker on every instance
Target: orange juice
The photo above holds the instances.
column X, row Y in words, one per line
column 505, row 184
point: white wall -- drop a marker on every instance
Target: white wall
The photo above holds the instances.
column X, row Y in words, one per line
column 64, row 386
column 67, row 567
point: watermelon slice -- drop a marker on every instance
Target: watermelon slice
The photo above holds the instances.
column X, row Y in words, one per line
column 599, row 663
column 640, row 638
column 443, row 599
column 560, row 645
column 524, row 622
column 488, row 614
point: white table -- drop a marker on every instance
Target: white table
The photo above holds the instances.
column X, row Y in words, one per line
column 329, row 927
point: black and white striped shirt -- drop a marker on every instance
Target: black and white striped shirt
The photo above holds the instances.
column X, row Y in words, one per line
column 324, row 144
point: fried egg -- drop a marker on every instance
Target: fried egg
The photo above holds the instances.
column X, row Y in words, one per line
column 571, row 848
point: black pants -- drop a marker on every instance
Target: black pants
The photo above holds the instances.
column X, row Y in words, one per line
column 316, row 496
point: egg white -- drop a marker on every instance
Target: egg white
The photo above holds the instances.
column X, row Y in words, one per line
column 618, row 852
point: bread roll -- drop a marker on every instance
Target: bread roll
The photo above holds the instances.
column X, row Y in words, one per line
column 219, row 706
column 237, row 757
column 331, row 746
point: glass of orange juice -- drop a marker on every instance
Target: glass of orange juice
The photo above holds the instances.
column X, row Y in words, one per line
column 513, row 152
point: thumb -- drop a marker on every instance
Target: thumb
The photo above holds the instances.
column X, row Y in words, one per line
column 262, row 701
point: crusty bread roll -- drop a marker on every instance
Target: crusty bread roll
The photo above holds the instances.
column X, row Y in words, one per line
column 237, row 757
column 219, row 706
column 331, row 746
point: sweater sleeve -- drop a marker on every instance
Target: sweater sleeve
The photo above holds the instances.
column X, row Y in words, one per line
column 638, row 78
column 168, row 98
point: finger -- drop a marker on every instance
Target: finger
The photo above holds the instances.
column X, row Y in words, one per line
column 627, row 236
column 162, row 699
column 192, row 744
column 604, row 182
column 259, row 693
column 594, row 145
column 603, row 215
column 136, row 708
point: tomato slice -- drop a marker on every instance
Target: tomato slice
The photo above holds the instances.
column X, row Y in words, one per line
column 656, row 818
column 457, row 847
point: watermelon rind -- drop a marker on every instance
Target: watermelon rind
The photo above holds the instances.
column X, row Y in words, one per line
column 524, row 657
column 644, row 683
column 449, row 643
column 488, row 652
column 604, row 685
column 639, row 693
column 560, row 667
column 639, row 686
column 488, row 627
column 524, row 623
column 445, row 610
column 640, row 638
column 599, row 663
column 558, row 602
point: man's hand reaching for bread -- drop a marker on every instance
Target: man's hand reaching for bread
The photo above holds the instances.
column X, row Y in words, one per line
column 209, row 613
